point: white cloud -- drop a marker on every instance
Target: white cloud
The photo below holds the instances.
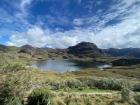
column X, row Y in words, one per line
column 34, row 36
column 77, row 22
column 24, row 3
column 38, row 37
column 124, row 34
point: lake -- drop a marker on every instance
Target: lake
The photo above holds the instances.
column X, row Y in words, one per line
column 64, row 65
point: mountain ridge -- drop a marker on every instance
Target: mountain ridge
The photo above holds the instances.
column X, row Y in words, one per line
column 81, row 49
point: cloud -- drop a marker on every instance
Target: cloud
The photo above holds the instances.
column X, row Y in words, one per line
column 93, row 28
column 124, row 34
column 38, row 37
column 77, row 22
column 34, row 36
column 24, row 3
column 121, row 35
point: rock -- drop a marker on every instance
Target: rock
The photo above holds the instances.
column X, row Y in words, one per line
column 27, row 49
column 85, row 49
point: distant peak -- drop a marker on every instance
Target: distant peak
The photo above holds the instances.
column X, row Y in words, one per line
column 86, row 44
column 26, row 46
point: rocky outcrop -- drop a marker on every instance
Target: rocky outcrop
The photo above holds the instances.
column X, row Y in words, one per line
column 27, row 49
column 85, row 49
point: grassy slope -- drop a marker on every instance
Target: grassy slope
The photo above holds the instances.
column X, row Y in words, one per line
column 40, row 78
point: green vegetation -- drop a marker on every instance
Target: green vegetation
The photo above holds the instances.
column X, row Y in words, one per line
column 105, row 83
column 39, row 97
column 13, row 89
column 12, row 67
column 85, row 90
column 22, row 85
column 44, row 97
column 125, row 94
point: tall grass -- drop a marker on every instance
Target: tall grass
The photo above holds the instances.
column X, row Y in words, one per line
column 82, row 83
column 13, row 89
column 10, row 63
column 39, row 97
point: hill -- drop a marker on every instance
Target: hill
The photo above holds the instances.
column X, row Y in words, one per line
column 85, row 49
column 126, row 52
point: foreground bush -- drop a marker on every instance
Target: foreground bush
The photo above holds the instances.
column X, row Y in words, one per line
column 13, row 89
column 13, row 101
column 10, row 67
column 73, row 83
column 39, row 97
column 125, row 94
column 111, row 84
column 70, row 83
column 83, row 83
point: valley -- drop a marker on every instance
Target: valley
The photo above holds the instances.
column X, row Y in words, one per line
column 73, row 76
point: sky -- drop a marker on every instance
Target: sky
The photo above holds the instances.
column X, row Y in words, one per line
column 64, row 23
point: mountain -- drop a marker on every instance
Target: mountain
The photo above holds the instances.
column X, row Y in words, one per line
column 126, row 52
column 4, row 48
column 27, row 49
column 85, row 49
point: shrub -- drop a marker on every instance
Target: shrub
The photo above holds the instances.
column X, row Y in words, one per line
column 125, row 94
column 14, row 101
column 70, row 83
column 87, row 82
column 109, row 84
column 39, row 97
column 13, row 89
column 12, row 67
column 73, row 83
column 112, row 84
column 83, row 83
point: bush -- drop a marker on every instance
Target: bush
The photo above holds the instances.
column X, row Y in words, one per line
column 112, row 84
column 125, row 94
column 13, row 89
column 70, row 83
column 12, row 67
column 14, row 101
column 39, row 97
column 73, row 83
column 83, row 83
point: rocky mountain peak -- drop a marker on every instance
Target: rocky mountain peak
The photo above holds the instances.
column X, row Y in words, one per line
column 85, row 49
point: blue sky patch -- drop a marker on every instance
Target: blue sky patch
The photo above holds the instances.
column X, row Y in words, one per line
column 63, row 23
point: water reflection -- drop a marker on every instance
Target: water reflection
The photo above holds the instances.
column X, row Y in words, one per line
column 64, row 65
column 58, row 65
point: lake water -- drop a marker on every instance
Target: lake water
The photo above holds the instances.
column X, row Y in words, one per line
column 64, row 65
